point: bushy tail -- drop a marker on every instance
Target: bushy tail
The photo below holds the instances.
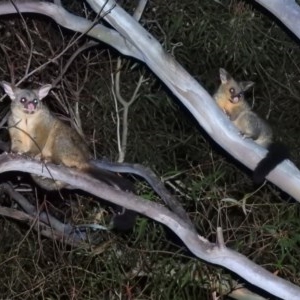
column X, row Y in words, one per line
column 277, row 153
column 124, row 219
column 110, row 178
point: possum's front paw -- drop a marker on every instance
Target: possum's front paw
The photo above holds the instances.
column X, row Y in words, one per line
column 27, row 154
column 16, row 151
column 246, row 136
column 38, row 156
column 42, row 158
column 225, row 112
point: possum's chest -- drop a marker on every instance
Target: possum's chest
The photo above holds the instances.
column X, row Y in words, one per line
column 25, row 133
column 27, row 126
column 232, row 110
column 226, row 106
column 224, row 103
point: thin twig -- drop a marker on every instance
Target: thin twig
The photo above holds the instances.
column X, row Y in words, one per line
column 87, row 45
column 122, row 142
column 29, row 38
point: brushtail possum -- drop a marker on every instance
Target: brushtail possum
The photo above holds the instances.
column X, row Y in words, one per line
column 35, row 131
column 230, row 98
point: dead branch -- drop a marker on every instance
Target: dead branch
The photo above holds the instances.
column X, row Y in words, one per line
column 72, row 22
column 199, row 246
column 156, row 184
column 122, row 141
column 35, row 222
column 87, row 45
column 55, row 224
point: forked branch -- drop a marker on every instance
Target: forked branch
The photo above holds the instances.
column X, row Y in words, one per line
column 213, row 253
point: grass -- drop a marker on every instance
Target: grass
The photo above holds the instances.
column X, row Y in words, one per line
column 149, row 262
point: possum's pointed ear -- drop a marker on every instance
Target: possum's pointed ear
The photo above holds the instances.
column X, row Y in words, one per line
column 9, row 89
column 224, row 76
column 43, row 91
column 245, row 85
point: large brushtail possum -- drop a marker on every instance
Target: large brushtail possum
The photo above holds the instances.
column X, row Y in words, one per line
column 230, row 98
column 36, row 132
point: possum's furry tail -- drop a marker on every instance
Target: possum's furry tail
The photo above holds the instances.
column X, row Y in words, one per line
column 277, row 153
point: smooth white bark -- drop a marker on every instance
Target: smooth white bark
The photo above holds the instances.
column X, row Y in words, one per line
column 72, row 22
column 130, row 38
column 213, row 253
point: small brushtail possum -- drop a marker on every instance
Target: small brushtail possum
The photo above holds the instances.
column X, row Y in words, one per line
column 230, row 98
column 35, row 131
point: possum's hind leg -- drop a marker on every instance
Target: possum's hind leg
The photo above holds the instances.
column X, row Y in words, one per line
column 248, row 124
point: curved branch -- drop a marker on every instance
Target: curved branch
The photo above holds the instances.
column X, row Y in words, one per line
column 156, row 184
column 75, row 23
column 198, row 245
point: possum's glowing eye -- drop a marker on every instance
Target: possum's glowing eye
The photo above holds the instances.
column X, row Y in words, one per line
column 35, row 101
column 23, row 100
column 232, row 91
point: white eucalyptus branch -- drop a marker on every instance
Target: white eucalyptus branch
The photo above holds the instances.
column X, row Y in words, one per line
column 72, row 22
column 216, row 253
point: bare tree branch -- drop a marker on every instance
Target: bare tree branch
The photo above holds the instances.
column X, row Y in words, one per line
column 199, row 246
column 87, row 45
column 122, row 141
column 72, row 22
column 156, row 184
column 56, row 225
column 43, row 228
